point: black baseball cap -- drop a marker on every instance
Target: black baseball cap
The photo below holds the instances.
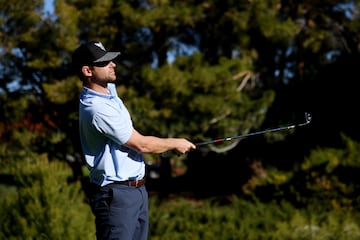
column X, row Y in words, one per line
column 90, row 53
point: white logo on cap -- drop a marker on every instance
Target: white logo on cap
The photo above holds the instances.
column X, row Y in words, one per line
column 99, row 44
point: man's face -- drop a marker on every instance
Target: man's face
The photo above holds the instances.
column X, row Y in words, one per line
column 103, row 72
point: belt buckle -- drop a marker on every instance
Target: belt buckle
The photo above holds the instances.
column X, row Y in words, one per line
column 136, row 183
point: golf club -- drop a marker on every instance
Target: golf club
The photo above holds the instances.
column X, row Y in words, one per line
column 307, row 121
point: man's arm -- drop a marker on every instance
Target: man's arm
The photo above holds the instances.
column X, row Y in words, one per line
column 152, row 144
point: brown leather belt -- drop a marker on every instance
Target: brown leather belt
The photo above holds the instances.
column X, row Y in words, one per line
column 132, row 183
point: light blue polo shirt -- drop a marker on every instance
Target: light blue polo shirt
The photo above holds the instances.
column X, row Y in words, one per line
column 105, row 125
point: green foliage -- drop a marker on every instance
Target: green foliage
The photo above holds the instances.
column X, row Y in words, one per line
column 24, row 127
column 332, row 158
column 14, row 110
column 331, row 172
column 43, row 205
column 323, row 227
column 62, row 92
column 326, row 178
column 266, row 14
column 243, row 219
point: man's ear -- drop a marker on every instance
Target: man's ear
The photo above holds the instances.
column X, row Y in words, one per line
column 86, row 71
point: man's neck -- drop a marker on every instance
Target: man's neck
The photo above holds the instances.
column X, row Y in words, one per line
column 97, row 88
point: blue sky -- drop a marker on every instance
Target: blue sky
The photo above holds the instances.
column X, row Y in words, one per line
column 49, row 6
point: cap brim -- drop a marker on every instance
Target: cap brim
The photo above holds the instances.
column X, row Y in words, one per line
column 108, row 57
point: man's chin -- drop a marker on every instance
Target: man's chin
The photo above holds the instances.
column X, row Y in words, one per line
column 111, row 80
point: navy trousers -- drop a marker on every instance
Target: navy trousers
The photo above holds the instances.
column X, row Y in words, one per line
column 121, row 212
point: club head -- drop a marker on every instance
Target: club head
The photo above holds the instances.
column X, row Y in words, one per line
column 308, row 117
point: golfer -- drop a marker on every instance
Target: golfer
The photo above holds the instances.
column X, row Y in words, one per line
column 113, row 149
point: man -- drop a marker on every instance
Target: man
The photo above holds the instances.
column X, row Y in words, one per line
column 113, row 148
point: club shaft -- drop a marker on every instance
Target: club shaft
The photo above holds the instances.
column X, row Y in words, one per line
column 308, row 118
column 247, row 135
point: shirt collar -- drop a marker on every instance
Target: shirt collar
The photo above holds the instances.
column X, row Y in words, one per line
column 91, row 92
